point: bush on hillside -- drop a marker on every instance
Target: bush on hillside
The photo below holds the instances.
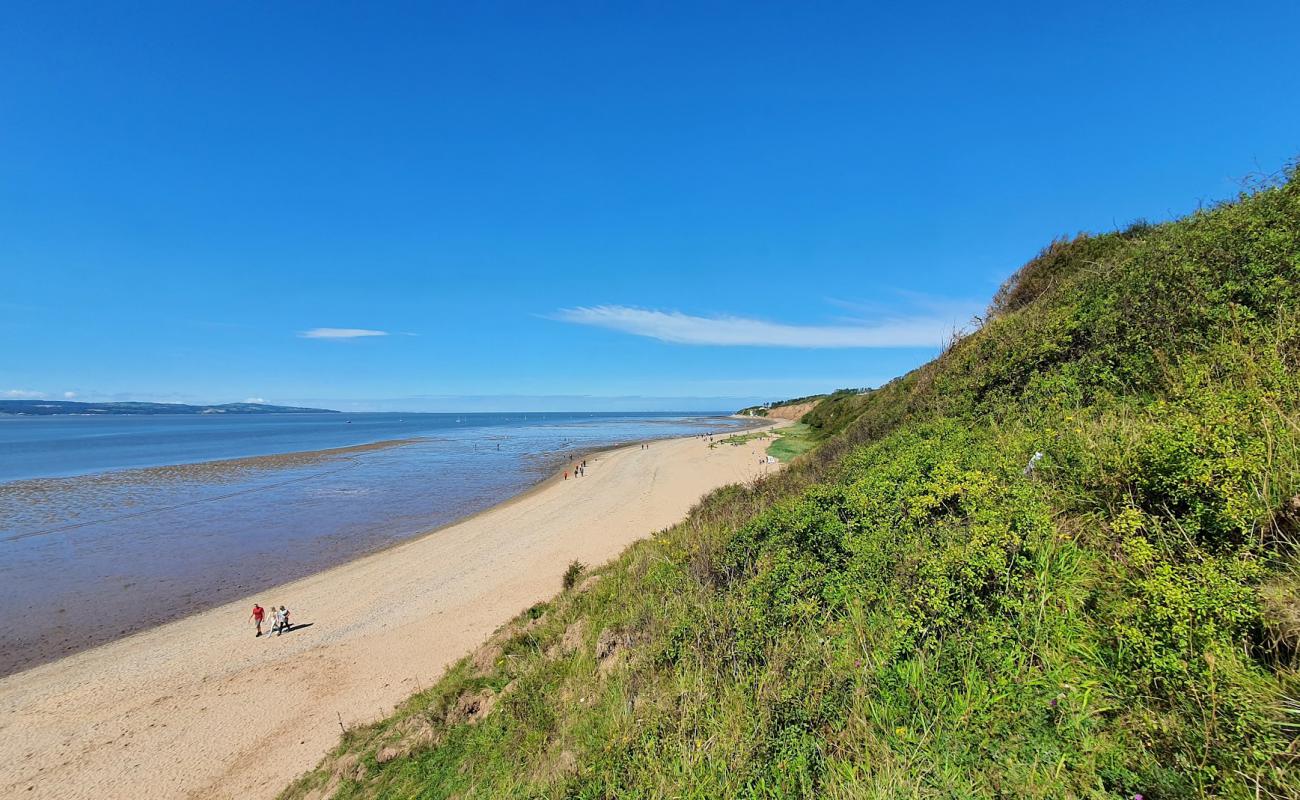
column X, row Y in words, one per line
column 572, row 573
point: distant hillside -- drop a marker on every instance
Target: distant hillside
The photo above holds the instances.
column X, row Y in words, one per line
column 799, row 407
column 793, row 411
column 47, row 408
column 767, row 408
column 1061, row 560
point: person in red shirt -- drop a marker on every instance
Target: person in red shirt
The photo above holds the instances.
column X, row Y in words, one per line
column 257, row 616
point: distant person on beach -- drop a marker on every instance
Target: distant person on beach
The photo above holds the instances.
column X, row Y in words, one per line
column 285, row 612
column 257, row 616
column 281, row 620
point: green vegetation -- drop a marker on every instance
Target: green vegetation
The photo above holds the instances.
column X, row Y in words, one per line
column 572, row 573
column 836, row 411
column 791, row 441
column 738, row 439
column 785, row 443
column 925, row 607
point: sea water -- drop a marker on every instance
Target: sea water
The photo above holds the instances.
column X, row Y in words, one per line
column 112, row 524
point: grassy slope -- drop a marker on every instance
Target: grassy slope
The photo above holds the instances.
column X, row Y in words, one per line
column 783, row 443
column 906, row 612
column 791, row 441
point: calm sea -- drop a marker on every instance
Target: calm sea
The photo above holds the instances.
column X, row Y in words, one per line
column 111, row 524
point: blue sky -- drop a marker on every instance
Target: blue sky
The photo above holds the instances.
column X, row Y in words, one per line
column 581, row 205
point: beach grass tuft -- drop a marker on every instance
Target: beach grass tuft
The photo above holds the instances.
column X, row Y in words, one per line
column 572, row 573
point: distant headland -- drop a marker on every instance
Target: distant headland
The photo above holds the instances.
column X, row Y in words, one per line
column 45, row 408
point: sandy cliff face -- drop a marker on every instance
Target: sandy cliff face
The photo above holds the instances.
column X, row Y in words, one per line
column 793, row 411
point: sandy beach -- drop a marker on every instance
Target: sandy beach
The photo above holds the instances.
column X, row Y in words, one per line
column 201, row 708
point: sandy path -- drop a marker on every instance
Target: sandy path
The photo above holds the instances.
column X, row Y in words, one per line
column 200, row 708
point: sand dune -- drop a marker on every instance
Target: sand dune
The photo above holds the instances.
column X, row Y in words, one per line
column 200, row 708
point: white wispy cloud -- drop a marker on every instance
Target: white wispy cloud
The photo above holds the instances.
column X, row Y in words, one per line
column 254, row 400
column 22, row 394
column 922, row 330
column 69, row 395
column 339, row 333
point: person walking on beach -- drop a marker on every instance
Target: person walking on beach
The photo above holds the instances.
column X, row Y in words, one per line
column 257, row 616
column 282, row 619
column 279, row 620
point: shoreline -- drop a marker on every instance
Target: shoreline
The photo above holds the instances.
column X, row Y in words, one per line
column 190, row 708
column 376, row 437
column 265, row 461
column 84, row 628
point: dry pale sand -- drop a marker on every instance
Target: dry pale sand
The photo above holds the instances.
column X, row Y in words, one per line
column 200, row 708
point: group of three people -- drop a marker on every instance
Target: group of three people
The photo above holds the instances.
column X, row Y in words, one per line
column 279, row 617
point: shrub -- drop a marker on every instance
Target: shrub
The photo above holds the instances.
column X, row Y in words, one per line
column 572, row 573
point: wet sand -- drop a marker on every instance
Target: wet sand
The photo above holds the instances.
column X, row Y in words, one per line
column 94, row 607
column 34, row 491
column 200, row 708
